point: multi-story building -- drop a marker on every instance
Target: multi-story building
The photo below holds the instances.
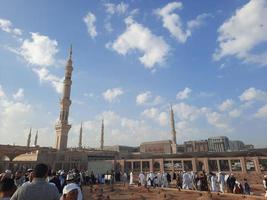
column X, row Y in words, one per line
column 196, row 146
column 249, row 146
column 236, row 145
column 163, row 147
column 218, row 144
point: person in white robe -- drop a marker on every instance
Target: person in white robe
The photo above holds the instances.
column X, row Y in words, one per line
column 214, row 181
column 187, row 181
column 131, row 178
column 221, row 181
column 150, row 179
column 142, row 179
column 164, row 180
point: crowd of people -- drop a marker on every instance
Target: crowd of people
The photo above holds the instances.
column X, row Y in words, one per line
column 43, row 184
column 201, row 181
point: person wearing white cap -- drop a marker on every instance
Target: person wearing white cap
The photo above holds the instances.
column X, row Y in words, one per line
column 265, row 184
column 70, row 192
column 71, row 180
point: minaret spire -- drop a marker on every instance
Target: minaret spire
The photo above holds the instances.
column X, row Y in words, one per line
column 62, row 127
column 81, row 136
column 102, row 136
column 173, row 132
column 29, row 138
column 70, row 52
column 36, row 138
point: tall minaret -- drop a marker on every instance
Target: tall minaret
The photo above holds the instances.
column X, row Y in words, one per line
column 29, row 138
column 81, row 136
column 173, row 132
column 62, row 127
column 36, row 138
column 102, row 136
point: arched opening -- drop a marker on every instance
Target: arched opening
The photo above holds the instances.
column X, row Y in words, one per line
column 156, row 166
column 200, row 166
column 4, row 158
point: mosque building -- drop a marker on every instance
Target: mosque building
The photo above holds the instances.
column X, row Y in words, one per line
column 154, row 156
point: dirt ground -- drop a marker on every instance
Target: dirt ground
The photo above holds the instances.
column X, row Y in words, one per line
column 119, row 192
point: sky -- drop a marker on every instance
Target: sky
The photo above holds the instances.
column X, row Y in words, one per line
column 131, row 60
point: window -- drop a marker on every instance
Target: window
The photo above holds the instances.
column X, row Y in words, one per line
column 250, row 166
column 178, row 165
column 156, row 166
column 145, row 166
column 128, row 166
column 136, row 166
column 224, row 165
column 236, row 165
column 263, row 164
column 167, row 165
column 200, row 166
column 188, row 165
column 213, row 165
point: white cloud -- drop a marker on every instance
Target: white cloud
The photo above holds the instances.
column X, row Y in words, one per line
column 173, row 22
column 146, row 98
column 19, row 94
column 184, row 94
column 138, row 37
column 112, row 94
column 198, row 21
column 154, row 114
column 187, row 112
column 90, row 20
column 119, row 9
column 217, row 120
column 142, row 98
column 2, row 92
column 16, row 118
column 13, row 118
column 45, row 76
column 7, row 26
column 40, row 50
column 243, row 32
column 226, row 105
column 235, row 113
column 253, row 94
column 118, row 130
column 262, row 112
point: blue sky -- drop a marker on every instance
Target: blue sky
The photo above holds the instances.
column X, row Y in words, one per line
column 131, row 60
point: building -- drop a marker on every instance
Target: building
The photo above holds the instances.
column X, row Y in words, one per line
column 218, row 144
column 249, row 146
column 62, row 127
column 196, row 146
column 236, row 145
column 180, row 148
column 121, row 149
column 154, row 156
column 162, row 147
column 173, row 131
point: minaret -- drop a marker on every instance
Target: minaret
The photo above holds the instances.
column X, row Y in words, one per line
column 173, row 132
column 102, row 136
column 36, row 138
column 62, row 127
column 29, row 138
column 81, row 136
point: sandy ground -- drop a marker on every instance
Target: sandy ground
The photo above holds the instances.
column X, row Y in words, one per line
column 118, row 192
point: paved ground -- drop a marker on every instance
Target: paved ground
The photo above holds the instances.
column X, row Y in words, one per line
column 118, row 192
